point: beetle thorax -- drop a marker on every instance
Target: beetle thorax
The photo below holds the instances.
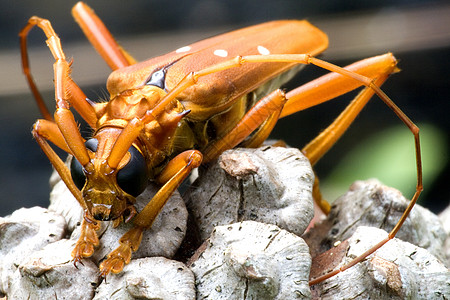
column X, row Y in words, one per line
column 157, row 136
column 130, row 104
column 109, row 193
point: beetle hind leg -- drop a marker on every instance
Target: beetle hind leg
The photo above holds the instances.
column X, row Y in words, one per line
column 309, row 95
column 370, row 73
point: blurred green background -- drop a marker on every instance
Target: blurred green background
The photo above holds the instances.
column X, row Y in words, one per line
column 377, row 145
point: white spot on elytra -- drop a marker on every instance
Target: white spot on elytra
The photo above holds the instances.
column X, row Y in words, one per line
column 183, row 49
column 221, row 53
column 263, row 50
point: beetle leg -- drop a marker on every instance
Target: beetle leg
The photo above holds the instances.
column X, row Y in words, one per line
column 50, row 131
column 351, row 80
column 87, row 241
column 76, row 97
column 43, row 131
column 262, row 111
column 101, row 38
column 263, row 132
column 63, row 117
column 172, row 176
column 330, row 86
column 326, row 139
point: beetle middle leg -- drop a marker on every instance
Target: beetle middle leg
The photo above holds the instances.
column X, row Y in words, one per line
column 171, row 177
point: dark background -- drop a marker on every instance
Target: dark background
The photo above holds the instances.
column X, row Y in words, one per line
column 417, row 32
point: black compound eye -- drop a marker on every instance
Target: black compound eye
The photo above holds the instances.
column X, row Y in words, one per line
column 76, row 169
column 132, row 178
column 92, row 144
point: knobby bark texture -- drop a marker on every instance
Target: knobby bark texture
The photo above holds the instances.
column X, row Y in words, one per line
column 237, row 233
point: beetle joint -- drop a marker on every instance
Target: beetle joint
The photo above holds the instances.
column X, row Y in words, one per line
column 371, row 84
column 89, row 167
column 193, row 77
column 89, row 220
column 148, row 117
column 240, row 60
column 281, row 94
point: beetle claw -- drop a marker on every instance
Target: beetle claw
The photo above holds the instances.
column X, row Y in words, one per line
column 77, row 260
column 112, row 265
column 82, row 250
column 116, row 260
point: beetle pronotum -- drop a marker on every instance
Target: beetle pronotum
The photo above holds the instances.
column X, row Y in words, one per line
column 169, row 114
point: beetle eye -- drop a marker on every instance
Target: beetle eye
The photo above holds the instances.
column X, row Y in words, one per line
column 76, row 169
column 92, row 144
column 132, row 178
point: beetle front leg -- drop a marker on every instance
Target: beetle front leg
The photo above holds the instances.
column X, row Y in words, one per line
column 41, row 132
column 172, row 176
column 87, row 241
column 44, row 130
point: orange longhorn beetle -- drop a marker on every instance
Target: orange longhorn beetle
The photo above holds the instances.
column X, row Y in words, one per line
column 169, row 114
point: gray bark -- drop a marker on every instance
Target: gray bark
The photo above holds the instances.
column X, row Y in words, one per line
column 249, row 210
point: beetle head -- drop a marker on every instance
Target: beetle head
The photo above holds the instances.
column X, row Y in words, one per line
column 110, row 194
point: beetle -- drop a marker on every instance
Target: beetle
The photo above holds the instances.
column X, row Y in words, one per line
column 169, row 114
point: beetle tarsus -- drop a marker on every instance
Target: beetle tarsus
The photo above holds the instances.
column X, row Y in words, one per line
column 116, row 260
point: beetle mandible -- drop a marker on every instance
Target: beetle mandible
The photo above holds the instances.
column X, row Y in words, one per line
column 169, row 114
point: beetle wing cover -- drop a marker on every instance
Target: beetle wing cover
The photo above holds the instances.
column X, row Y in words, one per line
column 216, row 92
